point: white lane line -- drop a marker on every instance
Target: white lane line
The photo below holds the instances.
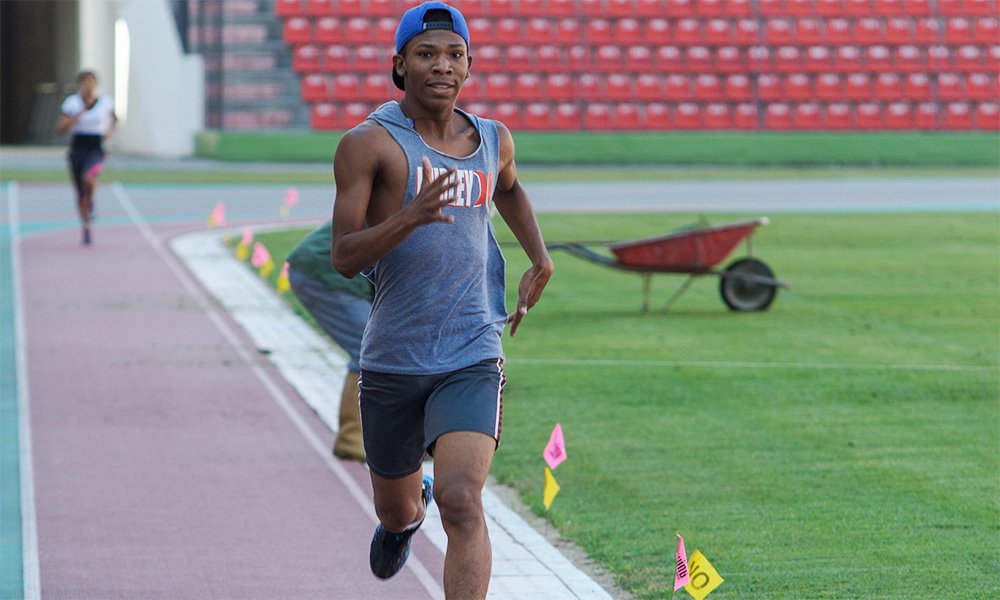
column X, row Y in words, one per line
column 746, row 365
column 428, row 582
column 29, row 519
column 525, row 565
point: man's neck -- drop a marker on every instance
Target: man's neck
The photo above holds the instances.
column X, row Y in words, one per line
column 428, row 123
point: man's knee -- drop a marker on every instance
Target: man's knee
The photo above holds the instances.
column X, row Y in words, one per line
column 461, row 505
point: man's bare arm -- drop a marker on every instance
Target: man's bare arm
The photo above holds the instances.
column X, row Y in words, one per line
column 355, row 167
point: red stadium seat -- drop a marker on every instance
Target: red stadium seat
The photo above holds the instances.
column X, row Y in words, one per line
column 471, row 8
column 472, row 89
column 729, row 59
column 958, row 31
column 798, row 87
column 559, row 86
column 649, row 86
column 592, row 8
column 305, row 59
column 759, row 58
column 597, row 117
column 538, row 116
column 858, row 8
column 382, row 8
column 847, row 59
column 888, row 86
column 717, row 32
column 540, row 31
column 531, row 8
column 338, row 58
column 918, row 87
column 980, row 8
column 829, row 8
column 500, row 8
column 650, row 8
column 969, row 58
column 689, row 116
column 588, row 87
column 297, row 30
column 328, row 31
column 747, row 32
column 897, row 31
column 938, row 58
column 808, row 32
column 688, row 32
column 578, row 58
column 627, row 32
column 528, row 86
column 346, row 86
column 567, row 117
column 518, row 58
column 799, row 8
column 950, row 8
column 778, row 32
column 658, row 116
column 708, row 8
column 928, row 115
column 928, row 31
column 993, row 59
column 314, row 88
column 369, row 59
column 487, row 59
column 917, row 8
column 746, row 116
column 769, row 87
column 818, row 59
column 289, row 8
column 707, row 87
column 980, row 86
column 838, row 116
column 808, row 116
column 718, row 116
column 988, row 116
column 319, row 8
column 599, row 32
column 987, row 31
column 737, row 88
column 498, row 86
column 870, row 116
column 949, row 87
column 621, row 8
column 627, row 116
column 619, row 86
column 838, row 31
column 778, row 115
column 699, row 58
column 878, row 59
column 509, row 114
column 788, row 59
column 385, row 32
column 377, row 87
column 481, row 31
column 909, row 59
column 508, row 31
column 668, row 59
column 678, row 87
column 568, row 31
column 829, row 86
column 868, row 31
column 639, row 59
column 609, row 58
column 323, row 117
column 349, row 8
column 679, row 8
column 561, row 8
column 771, row 8
column 738, row 8
column 888, row 8
column 359, row 31
column 658, row 31
column 958, row 115
column 549, row 58
column 899, row 115
column 859, row 87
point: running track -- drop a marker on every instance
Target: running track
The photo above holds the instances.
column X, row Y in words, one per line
column 168, row 458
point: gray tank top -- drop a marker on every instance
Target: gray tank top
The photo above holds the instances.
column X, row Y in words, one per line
column 439, row 295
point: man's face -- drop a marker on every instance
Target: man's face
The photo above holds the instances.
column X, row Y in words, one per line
column 436, row 65
column 87, row 85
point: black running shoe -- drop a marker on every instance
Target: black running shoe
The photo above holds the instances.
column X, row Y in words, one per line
column 86, row 237
column 389, row 551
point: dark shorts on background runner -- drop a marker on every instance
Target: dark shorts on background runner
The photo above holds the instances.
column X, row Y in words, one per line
column 86, row 156
column 403, row 415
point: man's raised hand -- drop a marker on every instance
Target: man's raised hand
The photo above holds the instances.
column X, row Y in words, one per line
column 434, row 195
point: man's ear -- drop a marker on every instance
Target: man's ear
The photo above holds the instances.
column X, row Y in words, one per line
column 399, row 65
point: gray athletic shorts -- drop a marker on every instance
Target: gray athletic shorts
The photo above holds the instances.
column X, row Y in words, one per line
column 403, row 415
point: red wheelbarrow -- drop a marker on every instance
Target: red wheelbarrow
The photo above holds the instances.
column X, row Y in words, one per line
column 746, row 284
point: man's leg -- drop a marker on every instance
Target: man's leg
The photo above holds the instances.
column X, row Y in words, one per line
column 462, row 461
column 398, row 503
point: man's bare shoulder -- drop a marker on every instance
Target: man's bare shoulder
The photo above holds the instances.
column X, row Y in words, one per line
column 369, row 135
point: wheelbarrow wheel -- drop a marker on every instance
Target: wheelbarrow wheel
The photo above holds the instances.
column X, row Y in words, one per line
column 743, row 295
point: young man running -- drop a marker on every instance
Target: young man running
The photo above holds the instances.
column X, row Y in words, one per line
column 415, row 183
column 92, row 120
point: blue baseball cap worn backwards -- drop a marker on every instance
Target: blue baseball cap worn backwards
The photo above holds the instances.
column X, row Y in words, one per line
column 415, row 21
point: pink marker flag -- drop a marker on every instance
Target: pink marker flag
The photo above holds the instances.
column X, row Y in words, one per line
column 682, row 578
column 260, row 255
column 247, row 236
column 219, row 215
column 291, row 197
column 555, row 450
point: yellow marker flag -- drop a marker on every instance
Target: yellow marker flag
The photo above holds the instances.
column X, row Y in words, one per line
column 283, row 285
column 266, row 269
column 704, row 578
column 551, row 489
column 242, row 252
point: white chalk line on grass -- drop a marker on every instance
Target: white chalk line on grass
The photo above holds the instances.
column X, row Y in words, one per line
column 705, row 364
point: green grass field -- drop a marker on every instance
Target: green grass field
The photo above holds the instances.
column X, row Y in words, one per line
column 843, row 444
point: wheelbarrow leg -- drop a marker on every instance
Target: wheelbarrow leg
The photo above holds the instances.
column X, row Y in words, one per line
column 646, row 280
column 678, row 293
